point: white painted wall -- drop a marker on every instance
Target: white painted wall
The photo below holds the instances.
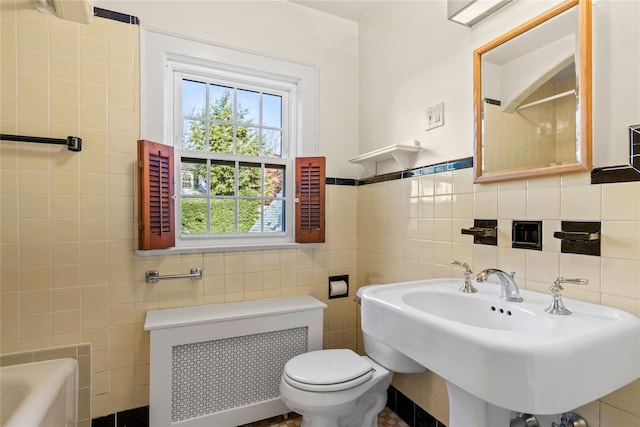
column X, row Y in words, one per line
column 377, row 77
column 411, row 57
column 284, row 30
column 616, row 78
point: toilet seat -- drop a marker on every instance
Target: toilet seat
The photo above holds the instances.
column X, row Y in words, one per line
column 327, row 370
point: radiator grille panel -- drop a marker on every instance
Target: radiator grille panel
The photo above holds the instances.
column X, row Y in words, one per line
column 212, row 376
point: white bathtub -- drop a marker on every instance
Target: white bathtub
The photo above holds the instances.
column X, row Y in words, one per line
column 40, row 394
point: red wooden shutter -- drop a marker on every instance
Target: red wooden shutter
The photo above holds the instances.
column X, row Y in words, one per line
column 310, row 199
column 156, row 212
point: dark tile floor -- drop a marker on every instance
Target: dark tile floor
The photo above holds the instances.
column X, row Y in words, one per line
column 386, row 418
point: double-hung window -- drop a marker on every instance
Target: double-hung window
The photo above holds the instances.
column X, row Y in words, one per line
column 236, row 126
column 235, row 161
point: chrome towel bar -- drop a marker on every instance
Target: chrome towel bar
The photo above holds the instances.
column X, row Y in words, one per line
column 153, row 276
column 73, row 143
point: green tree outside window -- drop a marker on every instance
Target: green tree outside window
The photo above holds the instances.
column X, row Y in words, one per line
column 213, row 131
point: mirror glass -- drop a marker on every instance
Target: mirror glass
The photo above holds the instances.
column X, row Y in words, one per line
column 532, row 97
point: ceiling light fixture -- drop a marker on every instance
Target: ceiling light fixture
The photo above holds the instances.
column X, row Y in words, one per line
column 470, row 12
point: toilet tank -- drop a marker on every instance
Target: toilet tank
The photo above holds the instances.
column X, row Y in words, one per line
column 389, row 357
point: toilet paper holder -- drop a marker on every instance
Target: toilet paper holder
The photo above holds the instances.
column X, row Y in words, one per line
column 338, row 286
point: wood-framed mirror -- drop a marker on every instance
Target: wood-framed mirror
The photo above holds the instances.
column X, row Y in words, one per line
column 532, row 97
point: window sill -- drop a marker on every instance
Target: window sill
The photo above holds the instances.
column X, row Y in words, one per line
column 217, row 249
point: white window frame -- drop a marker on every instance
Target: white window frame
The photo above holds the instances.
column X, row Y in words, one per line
column 180, row 70
column 163, row 53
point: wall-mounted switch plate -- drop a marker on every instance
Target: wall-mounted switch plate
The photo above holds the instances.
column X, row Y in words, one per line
column 434, row 116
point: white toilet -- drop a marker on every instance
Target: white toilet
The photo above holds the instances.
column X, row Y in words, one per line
column 339, row 388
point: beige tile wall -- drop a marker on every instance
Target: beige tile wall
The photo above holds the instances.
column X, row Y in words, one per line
column 545, row 132
column 68, row 271
column 69, row 274
column 566, row 123
column 410, row 229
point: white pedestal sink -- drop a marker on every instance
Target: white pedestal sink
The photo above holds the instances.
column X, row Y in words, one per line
column 499, row 356
column 473, row 411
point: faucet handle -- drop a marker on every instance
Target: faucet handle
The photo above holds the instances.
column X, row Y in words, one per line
column 467, row 288
column 556, row 288
column 557, row 306
column 467, row 269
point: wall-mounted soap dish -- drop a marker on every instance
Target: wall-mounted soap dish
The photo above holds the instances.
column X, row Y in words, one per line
column 579, row 237
column 484, row 231
column 479, row 231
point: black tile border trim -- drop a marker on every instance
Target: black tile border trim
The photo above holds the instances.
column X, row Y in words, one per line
column 405, row 408
column 622, row 173
column 341, row 181
column 106, row 421
column 450, row 165
column 138, row 417
column 614, row 174
column 115, row 16
column 603, row 175
column 408, row 411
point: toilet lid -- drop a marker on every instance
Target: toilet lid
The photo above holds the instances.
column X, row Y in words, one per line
column 317, row 369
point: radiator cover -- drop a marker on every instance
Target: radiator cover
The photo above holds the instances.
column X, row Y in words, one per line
column 221, row 364
column 213, row 376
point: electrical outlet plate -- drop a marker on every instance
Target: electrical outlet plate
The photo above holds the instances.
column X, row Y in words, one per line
column 434, row 116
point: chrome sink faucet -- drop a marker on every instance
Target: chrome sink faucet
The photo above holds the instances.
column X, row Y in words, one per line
column 509, row 290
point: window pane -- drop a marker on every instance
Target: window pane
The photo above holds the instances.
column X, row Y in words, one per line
column 193, row 175
column 223, row 216
column 249, row 180
column 273, row 215
column 225, row 189
column 271, row 110
column 194, row 216
column 223, row 179
column 194, row 98
column 248, row 106
column 272, row 143
column 247, row 140
column 193, row 135
column 249, row 219
column 221, row 138
column 273, row 181
column 221, row 103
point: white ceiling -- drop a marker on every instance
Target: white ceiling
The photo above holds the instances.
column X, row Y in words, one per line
column 348, row 9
